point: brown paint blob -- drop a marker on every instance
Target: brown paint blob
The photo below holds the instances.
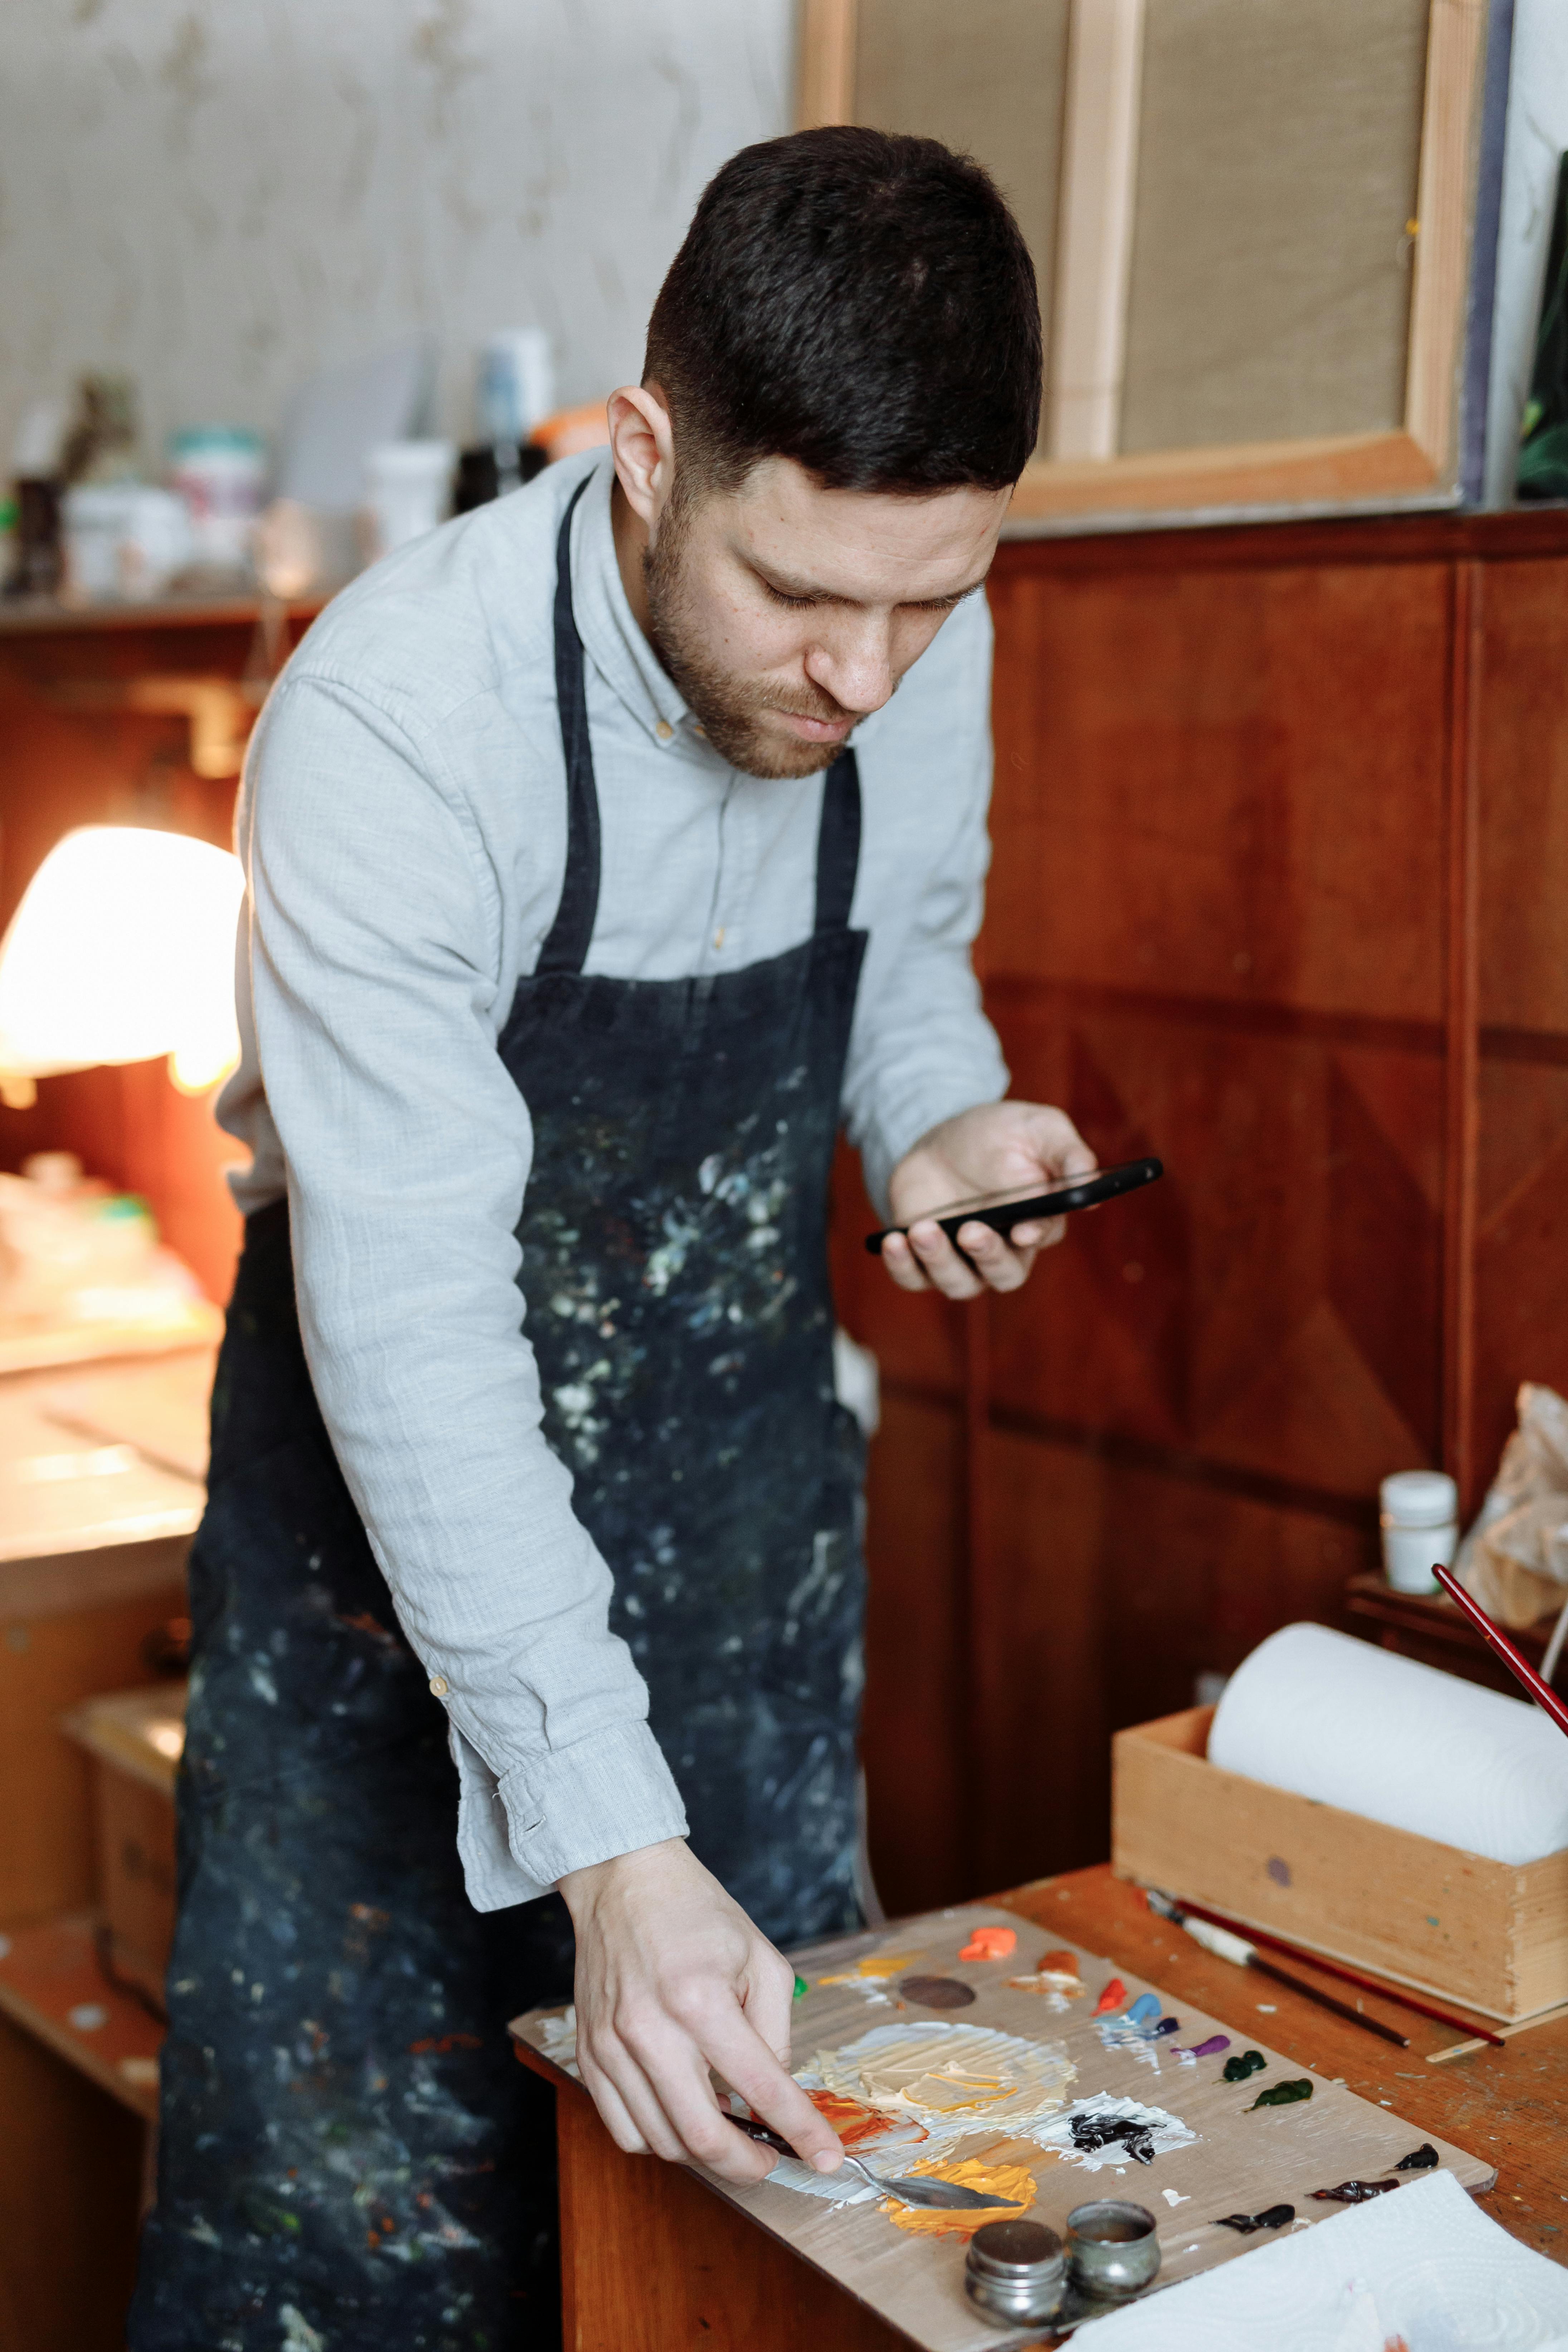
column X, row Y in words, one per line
column 937, row 1992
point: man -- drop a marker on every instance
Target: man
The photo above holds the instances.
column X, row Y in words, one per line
column 575, row 925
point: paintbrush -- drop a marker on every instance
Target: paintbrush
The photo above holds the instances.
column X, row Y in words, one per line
column 1338, row 1969
column 1519, row 1667
column 1226, row 1945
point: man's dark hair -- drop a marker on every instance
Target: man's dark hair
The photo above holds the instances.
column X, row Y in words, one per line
column 860, row 301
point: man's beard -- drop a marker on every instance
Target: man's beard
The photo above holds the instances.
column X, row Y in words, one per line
column 728, row 708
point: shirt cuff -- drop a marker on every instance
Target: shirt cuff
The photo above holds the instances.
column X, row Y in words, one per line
column 560, row 1810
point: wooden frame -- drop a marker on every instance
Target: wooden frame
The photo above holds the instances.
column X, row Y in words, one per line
column 1082, row 479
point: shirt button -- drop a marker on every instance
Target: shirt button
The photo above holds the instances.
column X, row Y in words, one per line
column 664, row 730
column 438, row 1685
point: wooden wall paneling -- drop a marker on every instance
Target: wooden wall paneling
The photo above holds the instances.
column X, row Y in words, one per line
column 1462, row 1040
column 1521, row 1262
column 1094, row 248
column 1274, row 1303
column 915, row 1735
column 1225, row 785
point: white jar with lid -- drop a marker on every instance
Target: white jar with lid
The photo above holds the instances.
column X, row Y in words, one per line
column 1420, row 1515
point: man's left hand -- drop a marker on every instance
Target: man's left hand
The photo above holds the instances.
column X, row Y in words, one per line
column 995, row 1148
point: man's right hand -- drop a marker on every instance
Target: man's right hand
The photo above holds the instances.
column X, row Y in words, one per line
column 673, row 1978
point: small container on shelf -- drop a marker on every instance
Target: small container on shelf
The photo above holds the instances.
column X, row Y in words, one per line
column 1420, row 1515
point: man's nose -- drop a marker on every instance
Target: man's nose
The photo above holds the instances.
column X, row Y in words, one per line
column 853, row 664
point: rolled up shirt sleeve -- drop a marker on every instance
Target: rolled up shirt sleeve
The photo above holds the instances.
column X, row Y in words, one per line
column 373, row 927
column 921, row 1048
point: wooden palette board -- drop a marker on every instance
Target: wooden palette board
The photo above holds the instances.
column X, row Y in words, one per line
column 1240, row 2161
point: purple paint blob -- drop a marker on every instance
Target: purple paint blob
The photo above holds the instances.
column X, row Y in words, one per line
column 1209, row 2049
column 1169, row 2026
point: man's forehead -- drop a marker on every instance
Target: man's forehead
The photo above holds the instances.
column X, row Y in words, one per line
column 867, row 546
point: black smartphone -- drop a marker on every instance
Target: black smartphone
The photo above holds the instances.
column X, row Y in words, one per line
column 1003, row 1210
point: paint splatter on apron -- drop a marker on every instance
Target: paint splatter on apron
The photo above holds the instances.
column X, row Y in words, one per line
column 349, row 2157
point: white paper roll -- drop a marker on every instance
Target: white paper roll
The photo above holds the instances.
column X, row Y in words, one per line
column 1338, row 1720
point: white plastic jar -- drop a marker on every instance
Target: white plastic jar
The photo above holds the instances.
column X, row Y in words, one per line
column 1420, row 1515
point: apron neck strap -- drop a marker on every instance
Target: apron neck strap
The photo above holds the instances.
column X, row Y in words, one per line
column 566, row 946
column 838, row 844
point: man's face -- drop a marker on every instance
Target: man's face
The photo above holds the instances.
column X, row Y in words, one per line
column 785, row 612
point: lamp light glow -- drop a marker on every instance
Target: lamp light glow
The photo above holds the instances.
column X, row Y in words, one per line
column 121, row 949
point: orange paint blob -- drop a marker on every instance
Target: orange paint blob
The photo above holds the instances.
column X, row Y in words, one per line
column 1065, row 1963
column 1014, row 2181
column 990, row 1944
column 1113, row 1997
column 858, row 2125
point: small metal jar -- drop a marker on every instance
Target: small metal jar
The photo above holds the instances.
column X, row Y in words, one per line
column 1113, row 2248
column 1015, row 2272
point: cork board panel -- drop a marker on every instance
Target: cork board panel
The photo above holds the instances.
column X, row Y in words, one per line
column 1278, row 151
column 988, row 79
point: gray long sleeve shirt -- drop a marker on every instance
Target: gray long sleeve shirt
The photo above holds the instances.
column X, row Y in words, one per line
column 403, row 826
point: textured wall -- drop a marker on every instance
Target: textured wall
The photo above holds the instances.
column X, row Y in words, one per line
column 223, row 195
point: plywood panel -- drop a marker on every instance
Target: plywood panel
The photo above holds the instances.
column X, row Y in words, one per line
column 1272, row 266
column 1226, row 783
column 986, row 80
column 1523, row 754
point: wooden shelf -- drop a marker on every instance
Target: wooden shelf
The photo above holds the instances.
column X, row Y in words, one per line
column 53, row 1986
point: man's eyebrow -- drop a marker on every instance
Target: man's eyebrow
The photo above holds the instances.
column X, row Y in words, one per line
column 787, row 585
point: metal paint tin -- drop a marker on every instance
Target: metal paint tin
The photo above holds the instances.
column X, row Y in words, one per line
column 1014, row 2271
column 1113, row 2250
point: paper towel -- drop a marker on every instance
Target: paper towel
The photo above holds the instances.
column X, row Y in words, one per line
column 1424, row 2264
column 1334, row 1719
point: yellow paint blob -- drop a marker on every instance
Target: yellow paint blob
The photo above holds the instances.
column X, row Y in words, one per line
column 1014, row 2181
column 877, row 1966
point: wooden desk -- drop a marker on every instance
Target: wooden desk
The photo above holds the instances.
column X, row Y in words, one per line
column 653, row 2261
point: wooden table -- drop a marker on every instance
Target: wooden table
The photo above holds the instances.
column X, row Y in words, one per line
column 652, row 2260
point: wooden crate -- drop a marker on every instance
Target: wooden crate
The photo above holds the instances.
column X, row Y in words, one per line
column 1494, row 1934
column 134, row 1738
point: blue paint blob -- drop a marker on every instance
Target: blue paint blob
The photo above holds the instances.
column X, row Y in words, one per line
column 1146, row 2006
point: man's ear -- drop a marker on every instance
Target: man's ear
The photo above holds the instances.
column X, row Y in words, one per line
column 642, row 442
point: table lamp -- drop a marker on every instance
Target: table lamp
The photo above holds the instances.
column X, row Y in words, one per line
column 121, row 949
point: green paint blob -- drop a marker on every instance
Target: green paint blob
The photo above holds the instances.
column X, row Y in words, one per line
column 1247, row 2062
column 1282, row 2094
column 801, row 1986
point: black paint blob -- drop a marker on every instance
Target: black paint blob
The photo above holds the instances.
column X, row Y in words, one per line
column 1091, row 2132
column 1274, row 2217
column 1420, row 2159
column 1354, row 2192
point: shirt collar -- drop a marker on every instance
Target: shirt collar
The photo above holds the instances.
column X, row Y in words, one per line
column 611, row 637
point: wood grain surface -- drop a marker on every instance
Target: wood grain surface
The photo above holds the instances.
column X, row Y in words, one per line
column 1240, row 2160
column 657, row 2263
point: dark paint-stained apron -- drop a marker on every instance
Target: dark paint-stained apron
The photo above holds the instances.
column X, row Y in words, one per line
column 350, row 2160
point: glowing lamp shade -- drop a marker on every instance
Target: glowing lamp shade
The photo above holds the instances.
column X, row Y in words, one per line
column 123, row 949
